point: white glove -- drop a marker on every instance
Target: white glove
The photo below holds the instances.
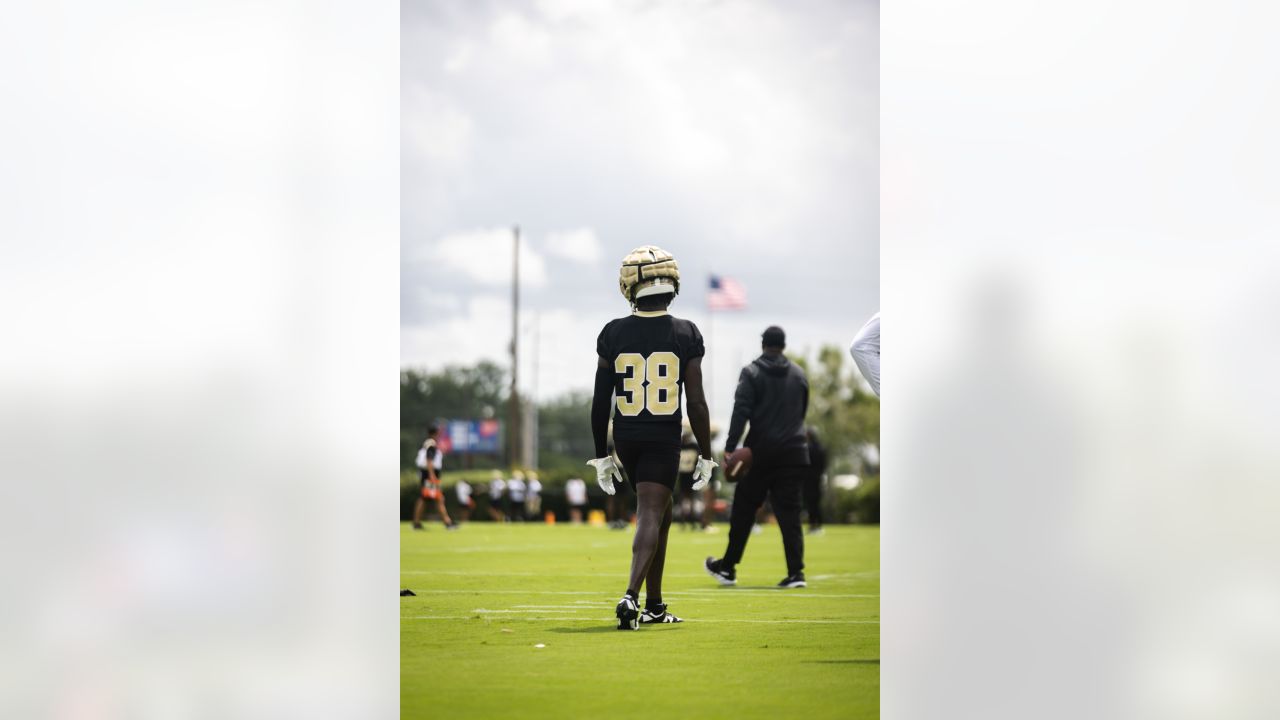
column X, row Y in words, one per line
column 702, row 473
column 607, row 472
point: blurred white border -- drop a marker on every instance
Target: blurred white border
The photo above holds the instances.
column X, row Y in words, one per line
column 1079, row 258
column 198, row 375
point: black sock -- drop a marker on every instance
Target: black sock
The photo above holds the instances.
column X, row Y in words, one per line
column 633, row 594
column 652, row 603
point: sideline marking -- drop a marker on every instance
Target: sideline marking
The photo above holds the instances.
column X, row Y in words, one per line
column 611, row 620
column 725, row 593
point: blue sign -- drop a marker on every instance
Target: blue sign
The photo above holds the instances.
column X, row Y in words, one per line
column 471, row 436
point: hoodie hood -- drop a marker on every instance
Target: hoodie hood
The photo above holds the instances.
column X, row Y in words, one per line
column 773, row 364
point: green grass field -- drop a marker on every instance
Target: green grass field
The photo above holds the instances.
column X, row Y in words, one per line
column 489, row 594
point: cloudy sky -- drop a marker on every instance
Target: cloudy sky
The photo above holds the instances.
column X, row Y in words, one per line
column 741, row 136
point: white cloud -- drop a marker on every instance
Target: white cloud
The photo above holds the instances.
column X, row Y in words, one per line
column 602, row 126
column 480, row 330
column 520, row 39
column 434, row 130
column 459, row 59
column 579, row 245
column 484, row 255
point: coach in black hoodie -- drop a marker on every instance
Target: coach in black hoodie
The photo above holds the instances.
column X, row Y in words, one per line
column 773, row 395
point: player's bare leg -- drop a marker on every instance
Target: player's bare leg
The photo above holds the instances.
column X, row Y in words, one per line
column 655, row 611
column 654, row 506
column 709, row 507
column 444, row 514
column 418, row 507
column 653, row 578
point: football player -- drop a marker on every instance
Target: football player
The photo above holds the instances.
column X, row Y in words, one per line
column 772, row 398
column 533, row 498
column 575, row 491
column 497, row 488
column 431, row 466
column 515, row 497
column 645, row 360
column 688, row 498
column 465, row 502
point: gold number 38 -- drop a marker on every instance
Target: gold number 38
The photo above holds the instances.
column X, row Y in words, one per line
column 652, row 382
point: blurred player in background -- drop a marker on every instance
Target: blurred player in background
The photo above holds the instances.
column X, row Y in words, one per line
column 497, row 488
column 617, row 508
column 533, row 497
column 709, row 497
column 575, row 493
column 465, row 502
column 773, row 396
column 515, row 497
column 645, row 360
column 430, row 464
column 813, row 476
column 865, row 350
column 688, row 498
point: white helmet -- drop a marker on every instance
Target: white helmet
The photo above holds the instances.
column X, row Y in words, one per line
column 648, row 270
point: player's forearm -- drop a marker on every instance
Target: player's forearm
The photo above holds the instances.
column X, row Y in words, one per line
column 736, row 425
column 600, row 407
column 743, row 400
column 700, row 421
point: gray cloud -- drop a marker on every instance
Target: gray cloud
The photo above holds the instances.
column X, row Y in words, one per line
column 743, row 137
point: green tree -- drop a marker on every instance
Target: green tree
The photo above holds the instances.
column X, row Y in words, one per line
column 564, row 432
column 846, row 414
column 454, row 392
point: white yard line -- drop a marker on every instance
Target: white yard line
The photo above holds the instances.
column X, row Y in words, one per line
column 577, row 606
column 610, row 620
column 486, row 573
column 833, row 579
column 525, row 612
column 725, row 593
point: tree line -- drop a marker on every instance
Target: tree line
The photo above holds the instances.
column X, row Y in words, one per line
column 845, row 413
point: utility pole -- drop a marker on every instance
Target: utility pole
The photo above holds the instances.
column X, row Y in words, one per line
column 532, row 452
column 513, row 429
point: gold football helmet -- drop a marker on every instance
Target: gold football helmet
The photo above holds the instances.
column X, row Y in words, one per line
column 648, row 270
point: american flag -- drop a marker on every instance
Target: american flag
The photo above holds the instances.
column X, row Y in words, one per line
column 725, row 293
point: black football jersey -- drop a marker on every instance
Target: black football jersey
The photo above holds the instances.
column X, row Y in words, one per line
column 649, row 356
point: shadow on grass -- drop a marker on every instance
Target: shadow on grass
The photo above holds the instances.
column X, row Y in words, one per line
column 873, row 661
column 579, row 630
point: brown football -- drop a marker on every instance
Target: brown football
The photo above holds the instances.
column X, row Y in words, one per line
column 737, row 464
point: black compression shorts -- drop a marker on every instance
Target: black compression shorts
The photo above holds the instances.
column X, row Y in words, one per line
column 649, row 462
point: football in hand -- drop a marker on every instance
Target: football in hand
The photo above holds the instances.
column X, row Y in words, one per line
column 737, row 464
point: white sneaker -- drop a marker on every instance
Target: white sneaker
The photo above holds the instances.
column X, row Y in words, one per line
column 659, row 616
column 628, row 613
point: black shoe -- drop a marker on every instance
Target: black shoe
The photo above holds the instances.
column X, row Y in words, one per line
column 793, row 581
column 628, row 614
column 715, row 568
column 408, row 593
column 452, row 526
column 417, row 526
column 658, row 614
